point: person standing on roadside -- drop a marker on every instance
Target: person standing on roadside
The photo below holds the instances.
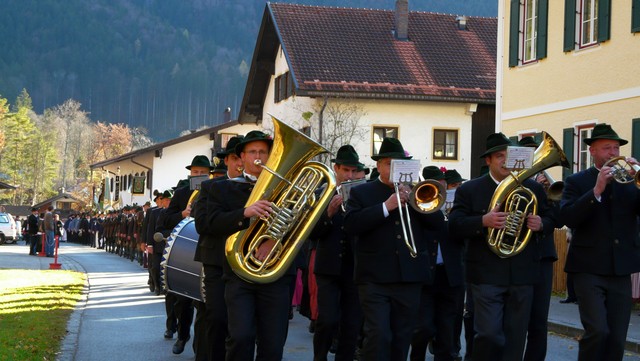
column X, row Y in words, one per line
column 32, row 231
column 48, row 226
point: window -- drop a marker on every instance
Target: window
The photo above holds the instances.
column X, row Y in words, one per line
column 283, row 87
column 379, row 133
column 445, row 144
column 530, row 30
column 635, row 16
column 527, row 31
column 587, row 23
column 584, row 157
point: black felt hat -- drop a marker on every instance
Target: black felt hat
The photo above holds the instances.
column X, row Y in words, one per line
column 391, row 148
column 348, row 156
column 374, row 174
column 604, row 131
column 496, row 142
column 528, row 142
column 362, row 168
column 167, row 193
column 452, row 176
column 200, row 161
column 220, row 166
column 432, row 172
column 231, row 146
column 252, row 136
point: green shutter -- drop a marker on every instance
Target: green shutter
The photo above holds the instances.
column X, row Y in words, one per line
column 543, row 16
column 567, row 147
column 569, row 25
column 537, row 137
column 514, row 140
column 635, row 138
column 604, row 20
column 635, row 16
column 514, row 33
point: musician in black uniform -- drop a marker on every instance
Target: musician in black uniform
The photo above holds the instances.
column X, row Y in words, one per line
column 442, row 297
column 389, row 279
column 179, row 209
column 255, row 311
column 536, row 348
column 338, row 304
column 147, row 233
column 604, row 248
column 210, row 252
column 502, row 288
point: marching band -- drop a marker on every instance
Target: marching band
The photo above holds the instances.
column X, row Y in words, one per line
column 484, row 255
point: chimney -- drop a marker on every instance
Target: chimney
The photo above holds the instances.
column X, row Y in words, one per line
column 402, row 19
column 227, row 114
column 462, row 22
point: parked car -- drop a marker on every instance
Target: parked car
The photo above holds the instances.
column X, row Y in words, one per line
column 8, row 231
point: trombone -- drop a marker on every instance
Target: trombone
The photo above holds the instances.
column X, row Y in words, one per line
column 425, row 197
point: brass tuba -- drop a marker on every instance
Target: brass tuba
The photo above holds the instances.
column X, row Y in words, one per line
column 289, row 180
column 519, row 201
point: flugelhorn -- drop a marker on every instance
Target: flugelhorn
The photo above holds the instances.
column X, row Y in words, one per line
column 554, row 189
column 289, row 180
column 622, row 171
column 519, row 201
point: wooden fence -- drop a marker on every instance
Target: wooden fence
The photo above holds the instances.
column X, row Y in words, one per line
column 559, row 276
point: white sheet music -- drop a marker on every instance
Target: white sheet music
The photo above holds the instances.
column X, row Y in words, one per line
column 405, row 171
column 519, row 157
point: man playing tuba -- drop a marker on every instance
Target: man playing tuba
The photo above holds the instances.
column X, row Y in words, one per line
column 502, row 288
column 255, row 310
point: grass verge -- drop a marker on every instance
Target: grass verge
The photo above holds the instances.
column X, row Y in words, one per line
column 34, row 309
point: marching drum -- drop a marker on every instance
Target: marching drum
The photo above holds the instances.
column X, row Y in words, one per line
column 180, row 273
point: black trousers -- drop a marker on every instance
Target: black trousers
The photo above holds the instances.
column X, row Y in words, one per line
column 605, row 311
column 183, row 313
column 440, row 306
column 200, row 340
column 390, row 312
column 155, row 270
column 257, row 312
column 338, row 309
column 501, row 318
column 537, row 336
column 216, row 313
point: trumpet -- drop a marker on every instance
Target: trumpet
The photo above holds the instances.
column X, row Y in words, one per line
column 554, row 188
column 425, row 197
column 623, row 171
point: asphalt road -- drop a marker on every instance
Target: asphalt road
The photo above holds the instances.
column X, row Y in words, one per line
column 121, row 320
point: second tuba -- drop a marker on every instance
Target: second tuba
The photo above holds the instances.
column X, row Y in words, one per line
column 519, row 201
column 289, row 181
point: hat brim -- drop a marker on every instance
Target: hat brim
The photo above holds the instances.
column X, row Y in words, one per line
column 455, row 180
column 591, row 140
column 240, row 146
column 494, row 149
column 392, row 155
column 203, row 166
column 349, row 163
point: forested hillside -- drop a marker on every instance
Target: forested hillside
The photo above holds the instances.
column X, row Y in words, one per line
column 167, row 65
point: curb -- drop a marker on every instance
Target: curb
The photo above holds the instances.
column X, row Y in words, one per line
column 576, row 332
column 69, row 345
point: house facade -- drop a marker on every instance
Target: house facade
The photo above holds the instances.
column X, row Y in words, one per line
column 344, row 75
column 132, row 177
column 565, row 66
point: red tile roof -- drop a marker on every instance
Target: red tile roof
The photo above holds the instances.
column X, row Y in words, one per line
column 344, row 50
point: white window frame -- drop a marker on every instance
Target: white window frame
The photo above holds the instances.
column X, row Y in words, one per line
column 583, row 156
column 376, row 140
column 588, row 23
column 529, row 31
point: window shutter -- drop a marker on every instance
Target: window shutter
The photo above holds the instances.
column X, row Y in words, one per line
column 635, row 138
column 514, row 139
column 567, row 147
column 635, row 16
column 543, row 16
column 538, row 137
column 604, row 20
column 569, row 25
column 514, row 33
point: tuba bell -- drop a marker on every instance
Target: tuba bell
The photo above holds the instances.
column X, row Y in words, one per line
column 289, row 180
column 519, row 201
